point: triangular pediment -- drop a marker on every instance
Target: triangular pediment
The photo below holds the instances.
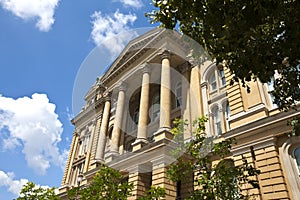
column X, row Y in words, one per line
column 136, row 48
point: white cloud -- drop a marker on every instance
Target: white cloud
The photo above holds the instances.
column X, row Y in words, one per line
column 42, row 10
column 132, row 3
column 14, row 186
column 33, row 125
column 106, row 30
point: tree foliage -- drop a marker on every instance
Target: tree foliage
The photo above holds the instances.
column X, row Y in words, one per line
column 107, row 184
column 110, row 184
column 253, row 37
column 32, row 192
column 154, row 193
column 218, row 181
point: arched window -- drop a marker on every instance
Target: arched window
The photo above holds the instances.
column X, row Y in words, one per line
column 217, row 80
column 155, row 107
column 297, row 158
column 217, row 121
column 178, row 91
column 212, row 82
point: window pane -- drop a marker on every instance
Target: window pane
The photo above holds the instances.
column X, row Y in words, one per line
column 178, row 95
column 155, row 108
column 297, row 157
column 217, row 121
column 227, row 114
column 212, row 82
column 222, row 75
column 136, row 116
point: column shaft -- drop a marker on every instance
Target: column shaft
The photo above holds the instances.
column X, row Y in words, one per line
column 165, row 92
column 118, row 121
column 103, row 131
column 144, row 107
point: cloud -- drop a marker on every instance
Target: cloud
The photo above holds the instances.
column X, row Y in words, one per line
column 40, row 10
column 106, row 30
column 14, row 186
column 132, row 3
column 33, row 125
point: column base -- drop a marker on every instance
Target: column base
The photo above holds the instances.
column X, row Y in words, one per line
column 163, row 133
column 139, row 143
column 111, row 156
column 97, row 163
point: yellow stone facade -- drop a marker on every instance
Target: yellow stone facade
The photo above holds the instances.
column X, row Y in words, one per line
column 127, row 119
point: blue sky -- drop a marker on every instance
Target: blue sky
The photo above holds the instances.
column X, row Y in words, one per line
column 43, row 44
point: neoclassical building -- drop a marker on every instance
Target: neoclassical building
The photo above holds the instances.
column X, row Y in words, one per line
column 160, row 76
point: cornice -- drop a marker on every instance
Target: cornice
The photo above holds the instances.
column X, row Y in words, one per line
column 86, row 114
column 262, row 125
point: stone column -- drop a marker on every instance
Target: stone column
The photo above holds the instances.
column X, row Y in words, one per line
column 144, row 109
column 103, row 131
column 118, row 119
column 165, row 99
column 165, row 92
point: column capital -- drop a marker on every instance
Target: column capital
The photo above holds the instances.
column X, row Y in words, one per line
column 107, row 96
column 122, row 86
column 204, row 85
column 165, row 54
column 184, row 67
column 145, row 68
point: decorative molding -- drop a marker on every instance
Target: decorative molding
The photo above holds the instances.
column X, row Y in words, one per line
column 140, row 168
column 258, row 144
column 162, row 161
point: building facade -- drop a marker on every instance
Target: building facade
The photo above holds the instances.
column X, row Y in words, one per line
column 128, row 116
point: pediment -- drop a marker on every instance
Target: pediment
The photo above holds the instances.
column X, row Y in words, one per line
column 154, row 39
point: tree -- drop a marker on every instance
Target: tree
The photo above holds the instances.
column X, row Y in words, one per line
column 154, row 193
column 32, row 192
column 223, row 180
column 110, row 184
column 107, row 184
column 252, row 38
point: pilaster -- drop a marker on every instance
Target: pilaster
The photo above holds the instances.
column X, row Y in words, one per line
column 159, row 177
column 140, row 177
